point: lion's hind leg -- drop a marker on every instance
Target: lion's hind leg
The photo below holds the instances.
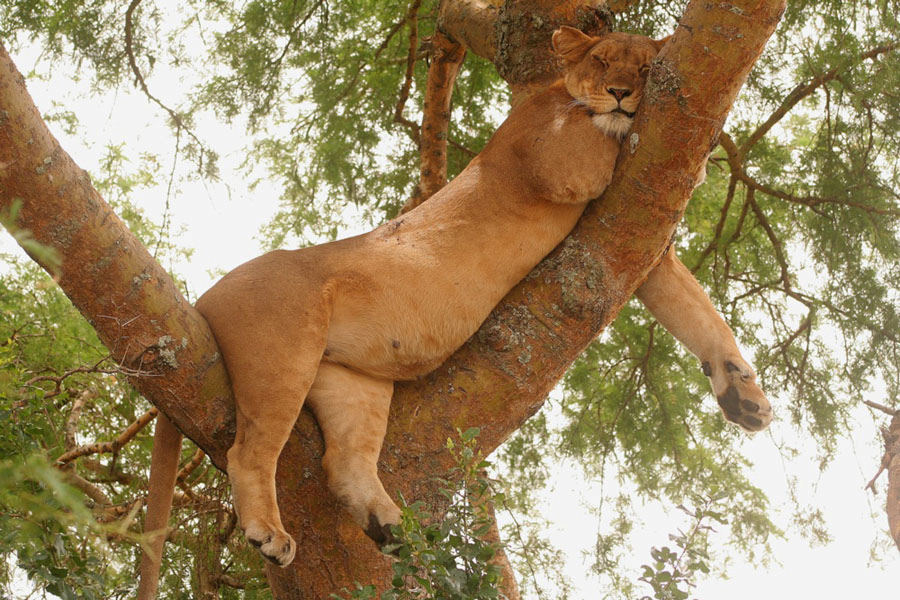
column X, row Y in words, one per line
column 352, row 411
column 269, row 396
column 272, row 354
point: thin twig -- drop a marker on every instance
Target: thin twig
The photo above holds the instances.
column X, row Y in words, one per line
column 723, row 217
column 141, row 82
column 773, row 239
column 58, row 380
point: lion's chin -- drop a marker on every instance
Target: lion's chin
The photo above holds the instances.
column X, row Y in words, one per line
column 615, row 124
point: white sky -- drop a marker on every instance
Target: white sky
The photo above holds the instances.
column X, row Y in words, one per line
column 221, row 224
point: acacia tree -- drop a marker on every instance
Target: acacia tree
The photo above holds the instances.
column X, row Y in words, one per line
column 502, row 376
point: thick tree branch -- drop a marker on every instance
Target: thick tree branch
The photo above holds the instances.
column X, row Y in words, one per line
column 471, row 23
column 523, row 31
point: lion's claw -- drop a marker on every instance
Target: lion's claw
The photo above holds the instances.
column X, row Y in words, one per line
column 275, row 546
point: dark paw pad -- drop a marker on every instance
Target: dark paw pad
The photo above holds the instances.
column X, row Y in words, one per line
column 380, row 534
column 730, row 402
column 746, row 413
column 257, row 543
column 376, row 531
column 753, row 422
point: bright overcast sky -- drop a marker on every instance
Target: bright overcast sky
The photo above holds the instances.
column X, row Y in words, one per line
column 221, row 223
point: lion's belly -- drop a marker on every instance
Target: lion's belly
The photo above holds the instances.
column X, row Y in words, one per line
column 411, row 334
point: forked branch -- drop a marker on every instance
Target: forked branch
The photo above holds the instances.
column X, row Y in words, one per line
column 112, row 446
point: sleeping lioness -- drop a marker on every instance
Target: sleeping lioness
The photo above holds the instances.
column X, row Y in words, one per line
column 335, row 325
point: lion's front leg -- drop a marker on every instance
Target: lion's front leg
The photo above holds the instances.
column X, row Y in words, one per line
column 675, row 298
column 272, row 343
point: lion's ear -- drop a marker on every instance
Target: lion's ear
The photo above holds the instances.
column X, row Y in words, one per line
column 571, row 44
column 660, row 43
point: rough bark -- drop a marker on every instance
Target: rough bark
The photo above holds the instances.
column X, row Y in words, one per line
column 523, row 31
column 496, row 381
column 471, row 23
column 110, row 277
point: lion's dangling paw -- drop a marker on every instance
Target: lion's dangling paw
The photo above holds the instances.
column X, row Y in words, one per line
column 276, row 546
column 380, row 533
column 741, row 400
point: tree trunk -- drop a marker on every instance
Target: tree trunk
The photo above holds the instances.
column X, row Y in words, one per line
column 496, row 381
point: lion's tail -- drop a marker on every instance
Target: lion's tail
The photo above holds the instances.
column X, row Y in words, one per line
column 163, row 471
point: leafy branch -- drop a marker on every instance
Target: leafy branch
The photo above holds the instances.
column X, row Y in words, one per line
column 412, row 19
column 671, row 573
column 450, row 556
column 804, row 90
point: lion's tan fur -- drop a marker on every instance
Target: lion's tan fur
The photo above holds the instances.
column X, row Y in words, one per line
column 334, row 325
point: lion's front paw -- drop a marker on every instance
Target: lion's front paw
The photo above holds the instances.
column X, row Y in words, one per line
column 277, row 546
column 741, row 400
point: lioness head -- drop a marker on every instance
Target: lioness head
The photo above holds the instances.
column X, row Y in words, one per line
column 606, row 74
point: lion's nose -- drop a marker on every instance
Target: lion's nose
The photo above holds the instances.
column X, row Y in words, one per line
column 619, row 93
